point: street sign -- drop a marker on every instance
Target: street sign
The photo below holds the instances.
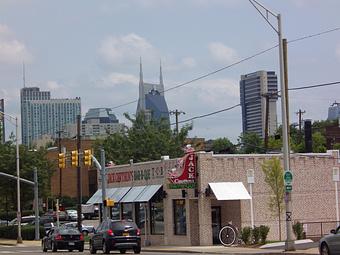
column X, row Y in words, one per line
column 288, row 188
column 288, row 177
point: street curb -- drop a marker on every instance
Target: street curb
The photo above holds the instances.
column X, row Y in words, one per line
column 212, row 252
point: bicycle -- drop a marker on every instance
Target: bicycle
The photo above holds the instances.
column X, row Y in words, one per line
column 228, row 235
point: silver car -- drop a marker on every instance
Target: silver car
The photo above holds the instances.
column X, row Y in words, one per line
column 330, row 244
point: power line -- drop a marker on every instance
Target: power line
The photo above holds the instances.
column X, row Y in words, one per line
column 234, row 64
column 255, row 99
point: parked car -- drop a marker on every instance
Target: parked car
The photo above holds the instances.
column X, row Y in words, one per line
column 90, row 210
column 24, row 220
column 4, row 222
column 116, row 235
column 85, row 230
column 73, row 215
column 330, row 244
column 63, row 239
column 53, row 214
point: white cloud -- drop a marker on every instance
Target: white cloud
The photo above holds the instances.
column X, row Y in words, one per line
column 118, row 79
column 337, row 51
column 222, row 53
column 53, row 85
column 188, row 62
column 126, row 49
column 12, row 51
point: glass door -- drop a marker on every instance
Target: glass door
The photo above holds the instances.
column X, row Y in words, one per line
column 216, row 223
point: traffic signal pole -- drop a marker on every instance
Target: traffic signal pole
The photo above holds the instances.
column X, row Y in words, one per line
column 78, row 175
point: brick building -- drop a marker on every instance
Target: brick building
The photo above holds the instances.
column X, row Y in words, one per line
column 172, row 212
column 69, row 174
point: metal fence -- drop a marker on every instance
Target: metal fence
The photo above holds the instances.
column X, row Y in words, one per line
column 316, row 230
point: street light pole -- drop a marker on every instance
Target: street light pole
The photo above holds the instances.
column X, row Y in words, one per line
column 289, row 245
column 19, row 238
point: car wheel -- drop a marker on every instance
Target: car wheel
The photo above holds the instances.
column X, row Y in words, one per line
column 122, row 251
column 137, row 250
column 92, row 249
column 324, row 249
column 106, row 249
column 54, row 247
column 44, row 249
column 70, row 250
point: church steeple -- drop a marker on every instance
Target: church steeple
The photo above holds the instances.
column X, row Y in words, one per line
column 161, row 78
column 160, row 73
column 140, row 71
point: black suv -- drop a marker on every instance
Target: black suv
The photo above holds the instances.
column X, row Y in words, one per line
column 119, row 235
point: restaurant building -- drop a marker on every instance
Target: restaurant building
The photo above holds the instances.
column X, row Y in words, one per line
column 186, row 201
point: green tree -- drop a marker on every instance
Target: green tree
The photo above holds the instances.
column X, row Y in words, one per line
column 251, row 143
column 223, row 145
column 319, row 142
column 336, row 146
column 145, row 140
column 273, row 172
column 28, row 160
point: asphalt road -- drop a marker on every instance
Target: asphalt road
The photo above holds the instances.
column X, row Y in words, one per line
column 37, row 250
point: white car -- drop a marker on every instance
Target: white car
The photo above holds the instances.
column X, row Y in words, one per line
column 72, row 215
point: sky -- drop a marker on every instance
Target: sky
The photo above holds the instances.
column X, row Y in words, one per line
column 91, row 49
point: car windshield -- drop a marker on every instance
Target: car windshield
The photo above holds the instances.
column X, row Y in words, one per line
column 69, row 231
column 71, row 211
column 121, row 225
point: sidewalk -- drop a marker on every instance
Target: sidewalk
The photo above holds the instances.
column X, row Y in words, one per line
column 190, row 249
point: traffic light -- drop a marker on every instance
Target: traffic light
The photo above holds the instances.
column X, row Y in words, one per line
column 61, row 160
column 87, row 157
column 74, row 158
column 109, row 202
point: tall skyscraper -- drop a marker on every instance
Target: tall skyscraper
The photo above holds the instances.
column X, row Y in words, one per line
column 151, row 98
column 334, row 111
column 254, row 88
column 41, row 115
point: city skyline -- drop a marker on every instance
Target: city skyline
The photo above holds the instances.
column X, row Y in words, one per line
column 95, row 54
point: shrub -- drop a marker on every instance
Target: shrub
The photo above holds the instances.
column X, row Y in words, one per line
column 298, row 230
column 264, row 230
column 256, row 235
column 246, row 234
column 27, row 232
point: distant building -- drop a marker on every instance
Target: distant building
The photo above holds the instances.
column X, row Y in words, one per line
column 253, row 87
column 41, row 115
column 151, row 99
column 98, row 123
column 2, row 121
column 334, row 111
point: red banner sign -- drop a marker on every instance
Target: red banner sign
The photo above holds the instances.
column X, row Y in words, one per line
column 185, row 171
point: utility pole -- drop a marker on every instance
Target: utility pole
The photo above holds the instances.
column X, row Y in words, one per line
column 176, row 113
column 300, row 113
column 285, row 67
column 265, row 12
column 60, row 170
column 79, row 174
column 103, row 177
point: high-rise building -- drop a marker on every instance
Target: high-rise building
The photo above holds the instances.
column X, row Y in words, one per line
column 151, row 98
column 254, row 88
column 98, row 123
column 2, row 121
column 334, row 111
column 41, row 115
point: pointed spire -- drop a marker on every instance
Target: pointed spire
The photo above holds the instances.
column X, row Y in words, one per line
column 160, row 73
column 140, row 70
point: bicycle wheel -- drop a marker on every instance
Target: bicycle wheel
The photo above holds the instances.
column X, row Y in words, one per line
column 227, row 235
